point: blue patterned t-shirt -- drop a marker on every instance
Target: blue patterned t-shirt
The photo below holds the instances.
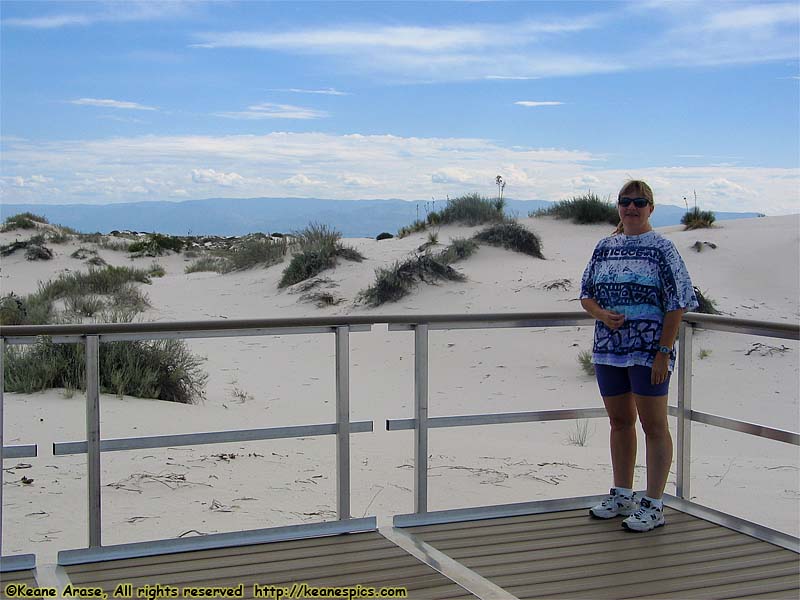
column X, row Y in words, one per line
column 642, row 277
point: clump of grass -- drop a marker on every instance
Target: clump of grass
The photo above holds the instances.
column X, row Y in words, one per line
column 97, row 261
column 83, row 253
column 583, row 210
column 471, row 209
column 585, row 360
column 698, row 219
column 156, row 270
column 254, row 250
column 707, row 304
column 161, row 369
column 512, row 236
column 393, row 283
column 25, row 220
column 459, row 249
column 156, row 244
column 36, row 252
column 121, row 245
column 59, row 236
column 581, row 435
column 84, row 305
column 205, row 264
column 12, row 310
column 95, row 281
column 415, row 227
column 703, row 354
column 319, row 246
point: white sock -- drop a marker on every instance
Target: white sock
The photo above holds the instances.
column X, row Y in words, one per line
column 656, row 502
column 627, row 492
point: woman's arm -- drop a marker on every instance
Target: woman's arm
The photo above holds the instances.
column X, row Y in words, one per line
column 669, row 331
column 611, row 319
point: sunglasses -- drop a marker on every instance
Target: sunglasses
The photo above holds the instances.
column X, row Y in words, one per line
column 637, row 202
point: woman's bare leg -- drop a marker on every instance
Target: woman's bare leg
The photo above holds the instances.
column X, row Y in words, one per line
column 622, row 416
column 653, row 415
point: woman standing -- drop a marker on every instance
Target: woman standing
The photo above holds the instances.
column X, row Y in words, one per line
column 637, row 287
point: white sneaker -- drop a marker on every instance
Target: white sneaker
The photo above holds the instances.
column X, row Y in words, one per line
column 615, row 505
column 648, row 517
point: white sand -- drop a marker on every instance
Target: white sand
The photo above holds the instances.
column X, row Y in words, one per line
column 289, row 380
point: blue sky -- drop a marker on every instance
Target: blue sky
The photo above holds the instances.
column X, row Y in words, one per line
column 108, row 102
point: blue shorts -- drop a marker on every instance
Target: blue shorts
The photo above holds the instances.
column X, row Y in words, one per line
column 614, row 381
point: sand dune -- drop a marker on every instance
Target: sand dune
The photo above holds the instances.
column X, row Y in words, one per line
column 286, row 380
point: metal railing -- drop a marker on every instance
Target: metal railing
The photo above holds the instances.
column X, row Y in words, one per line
column 92, row 335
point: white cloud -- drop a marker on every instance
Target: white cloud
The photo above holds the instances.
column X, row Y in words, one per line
column 108, row 103
column 301, row 179
column 352, row 166
column 326, row 92
column 267, row 110
column 510, row 77
column 220, row 178
column 104, row 12
column 532, row 103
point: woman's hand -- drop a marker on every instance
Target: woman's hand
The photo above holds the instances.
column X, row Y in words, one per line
column 660, row 370
column 611, row 319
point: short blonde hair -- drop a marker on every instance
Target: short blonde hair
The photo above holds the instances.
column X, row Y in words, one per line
column 639, row 187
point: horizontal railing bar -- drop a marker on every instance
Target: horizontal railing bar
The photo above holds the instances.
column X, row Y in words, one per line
column 499, row 418
column 763, row 431
column 123, row 337
column 779, row 538
column 215, row 540
column 790, row 331
column 228, row 324
column 18, row 562
column 478, row 513
column 212, row 437
column 510, row 323
column 58, row 339
column 28, row 451
column 542, row 319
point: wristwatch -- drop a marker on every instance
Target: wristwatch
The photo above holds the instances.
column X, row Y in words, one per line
column 665, row 349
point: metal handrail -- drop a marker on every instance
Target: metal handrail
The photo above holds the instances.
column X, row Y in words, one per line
column 93, row 334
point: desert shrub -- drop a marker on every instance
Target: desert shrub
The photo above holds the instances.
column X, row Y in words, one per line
column 156, row 270
column 97, row 261
column 83, row 305
column 12, row 310
column 207, row 263
column 83, row 253
column 707, row 304
column 113, row 245
column 585, row 360
column 415, row 227
column 581, row 435
column 252, row 251
column 583, row 210
column 513, row 236
column 393, row 283
column 191, row 254
column 384, row 236
column 95, row 281
column 698, row 219
column 130, row 298
column 319, row 246
column 59, row 236
column 24, row 220
column 459, row 249
column 156, row 245
column 162, row 369
column 36, row 252
column 472, row 209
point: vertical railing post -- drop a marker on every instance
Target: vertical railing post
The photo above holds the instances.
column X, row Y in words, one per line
column 343, row 422
column 93, row 438
column 421, row 416
column 2, row 389
column 684, row 450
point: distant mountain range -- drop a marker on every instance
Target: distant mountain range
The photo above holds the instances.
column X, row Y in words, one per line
column 239, row 216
